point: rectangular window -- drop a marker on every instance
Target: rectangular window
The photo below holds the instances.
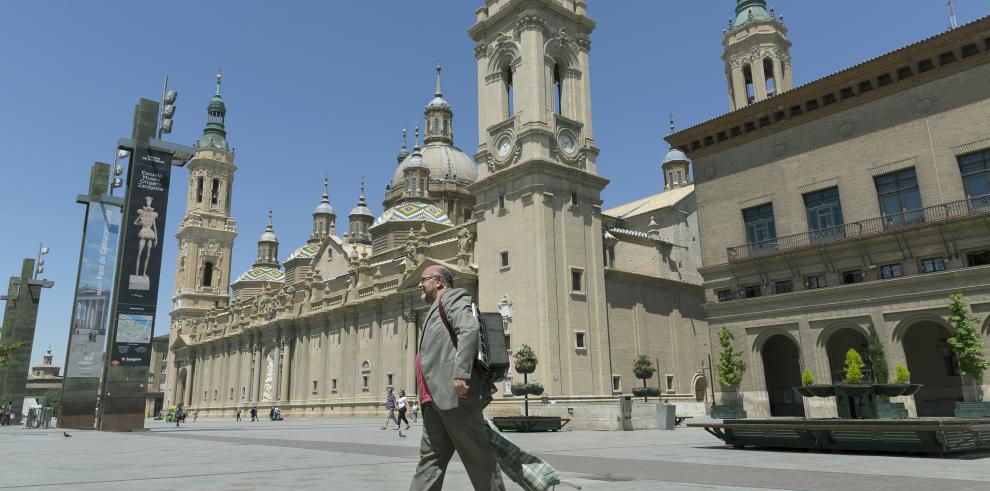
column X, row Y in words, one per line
column 199, row 190
column 932, row 264
column 390, row 379
column 333, row 384
column 753, row 291
column 467, row 215
column 900, row 199
column 504, row 255
column 616, row 383
column 576, row 283
column 975, row 170
column 670, row 383
column 724, row 295
column 579, row 340
column 163, row 368
column 165, row 356
column 215, row 192
column 574, row 199
column 508, row 345
column 315, row 386
column 760, row 229
column 978, row 258
column 816, row 281
column 824, row 215
column 888, row 271
column 854, row 276
column 783, row 286
column 610, row 256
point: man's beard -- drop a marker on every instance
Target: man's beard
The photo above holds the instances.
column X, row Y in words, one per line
column 422, row 296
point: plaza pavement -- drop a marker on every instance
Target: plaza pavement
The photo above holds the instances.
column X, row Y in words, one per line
column 355, row 454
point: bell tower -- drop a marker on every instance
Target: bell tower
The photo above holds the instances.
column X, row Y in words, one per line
column 206, row 233
column 538, row 190
column 757, row 57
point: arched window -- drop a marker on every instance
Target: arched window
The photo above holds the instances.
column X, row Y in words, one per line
column 215, row 192
column 199, row 190
column 507, row 80
column 748, row 77
column 445, row 127
column 558, row 90
column 412, row 188
column 365, row 374
column 771, row 78
column 208, row 274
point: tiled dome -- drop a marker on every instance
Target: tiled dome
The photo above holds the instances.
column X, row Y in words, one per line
column 413, row 211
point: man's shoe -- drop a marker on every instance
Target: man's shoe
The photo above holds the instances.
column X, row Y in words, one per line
column 407, row 427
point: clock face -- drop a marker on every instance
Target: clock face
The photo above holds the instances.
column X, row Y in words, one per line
column 503, row 146
column 566, row 142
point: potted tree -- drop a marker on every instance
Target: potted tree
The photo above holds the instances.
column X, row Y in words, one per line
column 526, row 364
column 967, row 349
column 643, row 369
column 730, row 374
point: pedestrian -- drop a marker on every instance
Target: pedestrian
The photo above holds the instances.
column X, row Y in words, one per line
column 3, row 415
column 452, row 393
column 238, row 414
column 254, row 414
column 277, row 413
column 402, row 410
column 415, row 411
column 390, row 410
column 195, row 415
column 180, row 412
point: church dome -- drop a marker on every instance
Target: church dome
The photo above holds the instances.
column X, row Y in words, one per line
column 413, row 211
column 268, row 236
column 305, row 252
column 438, row 103
column 445, row 162
column 675, row 155
column 261, row 273
column 324, row 208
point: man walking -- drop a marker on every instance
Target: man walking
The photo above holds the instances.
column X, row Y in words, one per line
column 451, row 392
column 238, row 414
column 390, row 410
column 254, row 414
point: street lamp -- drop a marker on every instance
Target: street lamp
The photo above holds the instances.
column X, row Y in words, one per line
column 40, row 263
column 168, row 109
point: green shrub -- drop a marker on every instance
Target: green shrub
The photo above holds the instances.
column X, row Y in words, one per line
column 854, row 367
column 525, row 359
column 901, row 374
column 730, row 364
column 646, row 391
column 807, row 378
column 878, row 360
column 643, row 369
column 966, row 342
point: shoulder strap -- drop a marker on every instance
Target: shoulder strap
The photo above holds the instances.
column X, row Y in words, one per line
column 446, row 323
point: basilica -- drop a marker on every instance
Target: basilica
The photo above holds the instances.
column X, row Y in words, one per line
column 327, row 327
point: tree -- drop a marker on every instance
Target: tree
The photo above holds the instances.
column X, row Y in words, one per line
column 643, row 369
column 901, row 374
column 730, row 364
column 966, row 343
column 52, row 399
column 854, row 367
column 807, row 378
column 526, row 364
column 878, row 360
column 7, row 350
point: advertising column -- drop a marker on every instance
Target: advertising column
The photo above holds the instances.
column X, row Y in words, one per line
column 136, row 293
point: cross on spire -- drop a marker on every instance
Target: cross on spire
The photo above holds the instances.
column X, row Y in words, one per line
column 438, row 92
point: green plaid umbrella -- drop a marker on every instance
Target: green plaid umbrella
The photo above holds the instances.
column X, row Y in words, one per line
column 525, row 469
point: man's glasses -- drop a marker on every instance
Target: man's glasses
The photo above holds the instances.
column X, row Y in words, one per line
column 428, row 278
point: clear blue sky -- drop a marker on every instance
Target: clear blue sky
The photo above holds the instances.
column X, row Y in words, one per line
column 314, row 87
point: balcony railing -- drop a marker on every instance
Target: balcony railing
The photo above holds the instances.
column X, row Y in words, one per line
column 865, row 228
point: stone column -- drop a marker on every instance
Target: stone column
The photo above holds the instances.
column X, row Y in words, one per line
column 741, row 97
column 778, row 76
column 284, row 374
column 259, row 368
column 323, row 390
column 759, row 79
column 187, row 398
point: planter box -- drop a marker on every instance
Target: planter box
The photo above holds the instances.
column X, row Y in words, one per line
column 972, row 410
column 525, row 424
column 892, row 390
column 728, row 411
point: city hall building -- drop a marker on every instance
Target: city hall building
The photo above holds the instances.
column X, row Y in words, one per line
column 327, row 327
column 860, row 197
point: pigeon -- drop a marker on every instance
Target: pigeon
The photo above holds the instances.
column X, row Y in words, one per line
column 66, row 435
column 401, row 435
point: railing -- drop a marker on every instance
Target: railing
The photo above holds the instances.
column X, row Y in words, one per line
column 865, row 228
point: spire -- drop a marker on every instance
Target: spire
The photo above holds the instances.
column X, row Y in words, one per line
column 404, row 151
column 671, row 124
column 267, row 247
column 215, row 134
column 360, row 220
column 415, row 147
column 361, row 200
column 324, row 219
column 438, row 92
column 326, row 194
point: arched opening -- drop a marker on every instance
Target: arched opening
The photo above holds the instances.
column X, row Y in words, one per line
column 700, row 389
column 771, row 77
column 199, row 189
column 215, row 192
column 748, row 78
column 365, row 375
column 507, row 85
column 782, row 371
column 558, row 89
column 930, row 361
column 208, row 274
column 839, row 343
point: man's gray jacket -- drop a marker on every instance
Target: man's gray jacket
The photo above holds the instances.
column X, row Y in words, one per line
column 440, row 361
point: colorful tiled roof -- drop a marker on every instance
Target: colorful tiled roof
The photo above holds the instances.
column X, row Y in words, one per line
column 305, row 252
column 262, row 274
column 413, row 211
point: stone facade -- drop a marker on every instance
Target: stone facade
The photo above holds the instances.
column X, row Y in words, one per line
column 847, row 201
column 523, row 230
